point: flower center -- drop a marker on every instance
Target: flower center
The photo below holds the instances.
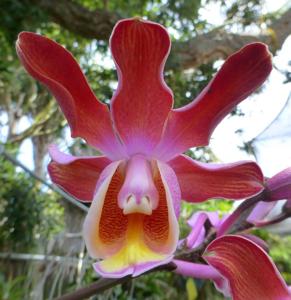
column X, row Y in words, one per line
column 138, row 193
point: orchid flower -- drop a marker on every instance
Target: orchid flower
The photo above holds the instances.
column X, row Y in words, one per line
column 136, row 187
column 250, row 272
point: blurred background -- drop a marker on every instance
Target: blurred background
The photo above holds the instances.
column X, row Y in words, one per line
column 42, row 254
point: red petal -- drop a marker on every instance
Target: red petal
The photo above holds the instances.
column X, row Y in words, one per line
column 249, row 270
column 199, row 181
column 142, row 101
column 76, row 175
column 56, row 68
column 192, row 125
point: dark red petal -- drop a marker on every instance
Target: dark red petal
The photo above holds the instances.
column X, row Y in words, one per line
column 199, row 181
column 76, row 175
column 142, row 101
column 249, row 270
column 192, row 125
column 56, row 68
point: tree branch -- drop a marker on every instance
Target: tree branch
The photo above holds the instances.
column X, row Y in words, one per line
column 104, row 284
column 97, row 287
column 219, row 44
column 96, row 24
column 204, row 48
column 216, row 44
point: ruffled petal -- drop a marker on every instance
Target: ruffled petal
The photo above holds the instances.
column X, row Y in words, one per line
column 142, row 101
column 56, row 68
column 249, row 270
column 76, row 175
column 199, row 181
column 192, row 125
column 131, row 243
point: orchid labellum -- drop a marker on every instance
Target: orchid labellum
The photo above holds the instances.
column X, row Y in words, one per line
column 136, row 187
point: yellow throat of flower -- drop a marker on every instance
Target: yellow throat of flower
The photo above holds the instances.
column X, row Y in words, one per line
column 134, row 250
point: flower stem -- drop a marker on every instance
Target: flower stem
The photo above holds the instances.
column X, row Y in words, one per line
column 244, row 207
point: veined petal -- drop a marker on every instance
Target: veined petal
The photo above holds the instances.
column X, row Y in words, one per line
column 193, row 124
column 76, row 175
column 199, row 181
column 142, row 101
column 260, row 242
column 249, row 270
column 56, row 68
column 105, row 223
column 130, row 243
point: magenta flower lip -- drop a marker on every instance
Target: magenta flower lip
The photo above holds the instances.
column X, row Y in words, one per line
column 137, row 186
